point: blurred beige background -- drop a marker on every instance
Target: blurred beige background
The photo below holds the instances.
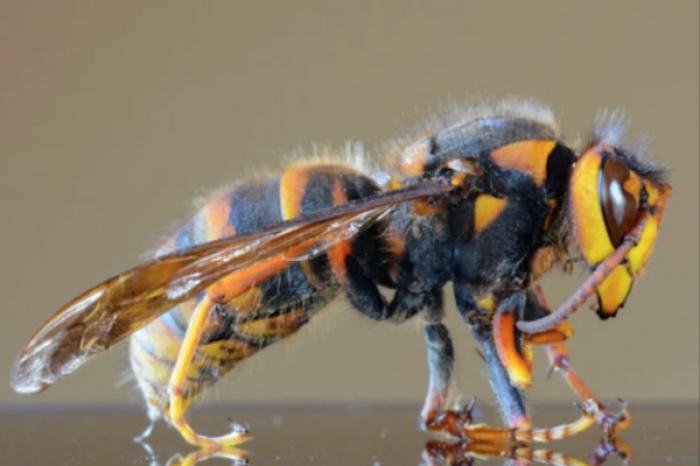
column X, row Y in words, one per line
column 113, row 116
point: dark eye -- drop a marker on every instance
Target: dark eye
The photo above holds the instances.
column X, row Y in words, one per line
column 619, row 206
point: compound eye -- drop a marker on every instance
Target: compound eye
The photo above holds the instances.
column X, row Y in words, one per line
column 619, row 206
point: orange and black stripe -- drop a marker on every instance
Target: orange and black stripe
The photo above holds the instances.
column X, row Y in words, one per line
column 268, row 310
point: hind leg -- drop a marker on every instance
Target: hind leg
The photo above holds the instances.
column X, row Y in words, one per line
column 206, row 321
column 176, row 387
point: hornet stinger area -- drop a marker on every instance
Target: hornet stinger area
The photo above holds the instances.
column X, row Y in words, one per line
column 489, row 198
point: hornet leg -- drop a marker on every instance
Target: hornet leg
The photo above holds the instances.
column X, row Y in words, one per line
column 364, row 294
column 365, row 297
column 441, row 357
column 177, row 409
column 559, row 359
column 226, row 289
column 459, row 424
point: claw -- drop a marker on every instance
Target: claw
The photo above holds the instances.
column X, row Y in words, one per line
column 612, row 424
column 238, row 428
column 581, row 406
column 465, row 414
column 588, row 408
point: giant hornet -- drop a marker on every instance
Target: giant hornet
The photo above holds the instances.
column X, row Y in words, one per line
column 489, row 198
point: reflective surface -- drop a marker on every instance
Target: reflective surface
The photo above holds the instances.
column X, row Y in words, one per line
column 354, row 435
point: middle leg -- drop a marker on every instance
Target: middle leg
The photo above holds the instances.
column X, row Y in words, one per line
column 364, row 295
column 441, row 357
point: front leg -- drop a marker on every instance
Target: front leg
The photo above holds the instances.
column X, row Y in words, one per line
column 559, row 359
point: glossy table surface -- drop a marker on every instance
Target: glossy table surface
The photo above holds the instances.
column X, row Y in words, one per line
column 307, row 435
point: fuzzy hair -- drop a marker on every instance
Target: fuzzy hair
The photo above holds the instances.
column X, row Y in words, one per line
column 456, row 113
column 351, row 155
column 609, row 129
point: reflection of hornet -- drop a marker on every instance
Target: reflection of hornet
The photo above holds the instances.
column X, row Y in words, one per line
column 488, row 198
column 438, row 453
column 232, row 455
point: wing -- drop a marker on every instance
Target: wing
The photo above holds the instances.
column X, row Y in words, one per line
column 111, row 311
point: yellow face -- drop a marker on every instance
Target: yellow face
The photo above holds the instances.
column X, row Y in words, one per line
column 609, row 191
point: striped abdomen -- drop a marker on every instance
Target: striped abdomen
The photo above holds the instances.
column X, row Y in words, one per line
column 266, row 313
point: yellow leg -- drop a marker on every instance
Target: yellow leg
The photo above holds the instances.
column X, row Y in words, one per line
column 177, row 406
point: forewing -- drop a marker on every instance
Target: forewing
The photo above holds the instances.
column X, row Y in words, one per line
column 103, row 316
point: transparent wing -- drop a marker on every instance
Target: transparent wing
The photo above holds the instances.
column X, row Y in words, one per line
column 111, row 311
